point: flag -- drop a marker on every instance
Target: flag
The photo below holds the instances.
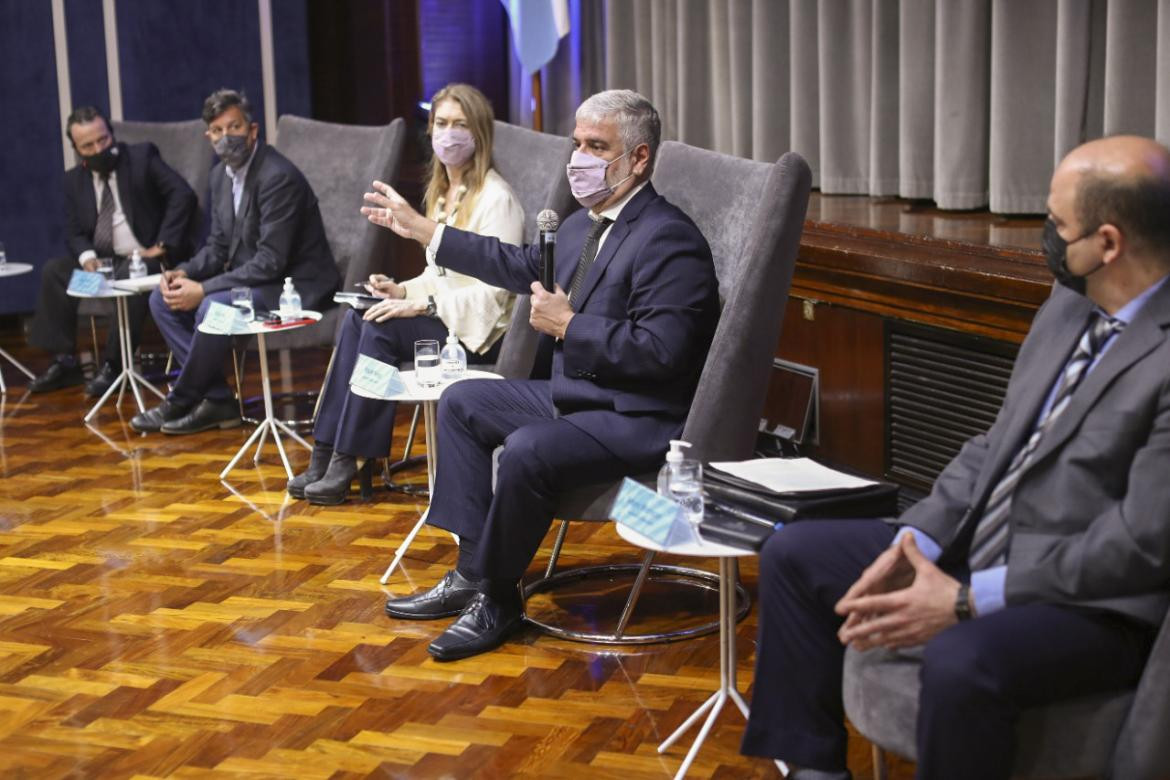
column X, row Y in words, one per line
column 537, row 28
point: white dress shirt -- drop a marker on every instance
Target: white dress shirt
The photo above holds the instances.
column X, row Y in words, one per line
column 124, row 241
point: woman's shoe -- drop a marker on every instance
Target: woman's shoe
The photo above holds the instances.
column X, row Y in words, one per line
column 318, row 463
column 333, row 488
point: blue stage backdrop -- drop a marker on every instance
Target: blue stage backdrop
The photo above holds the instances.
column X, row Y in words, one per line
column 170, row 56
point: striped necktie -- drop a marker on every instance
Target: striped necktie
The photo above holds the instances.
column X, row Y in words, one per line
column 989, row 545
column 103, row 232
column 588, row 255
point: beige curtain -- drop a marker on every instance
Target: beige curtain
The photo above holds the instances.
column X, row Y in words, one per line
column 967, row 102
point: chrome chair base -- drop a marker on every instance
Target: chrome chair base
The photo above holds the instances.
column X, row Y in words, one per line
column 680, row 575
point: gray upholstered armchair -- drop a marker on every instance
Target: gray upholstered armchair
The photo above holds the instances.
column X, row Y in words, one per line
column 752, row 214
column 340, row 162
column 1122, row 735
column 181, row 146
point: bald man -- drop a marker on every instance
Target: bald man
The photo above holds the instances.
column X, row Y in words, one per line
column 1039, row 566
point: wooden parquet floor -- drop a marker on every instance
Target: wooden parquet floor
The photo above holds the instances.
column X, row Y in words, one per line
column 157, row 622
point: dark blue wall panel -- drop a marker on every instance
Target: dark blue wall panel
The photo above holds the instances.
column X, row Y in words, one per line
column 290, row 40
column 86, row 37
column 172, row 55
column 465, row 40
column 31, row 200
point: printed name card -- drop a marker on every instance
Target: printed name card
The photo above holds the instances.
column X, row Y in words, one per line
column 651, row 515
column 376, row 378
column 86, row 282
column 223, row 320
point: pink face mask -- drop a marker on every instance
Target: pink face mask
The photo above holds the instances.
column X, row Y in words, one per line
column 453, row 146
column 587, row 178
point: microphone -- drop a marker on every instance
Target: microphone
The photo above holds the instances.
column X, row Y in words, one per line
column 547, row 222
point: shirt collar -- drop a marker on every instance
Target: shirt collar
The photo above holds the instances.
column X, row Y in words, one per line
column 1129, row 312
column 613, row 211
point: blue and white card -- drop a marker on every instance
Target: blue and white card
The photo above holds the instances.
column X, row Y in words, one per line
column 376, row 378
column 651, row 515
column 223, row 320
column 86, row 282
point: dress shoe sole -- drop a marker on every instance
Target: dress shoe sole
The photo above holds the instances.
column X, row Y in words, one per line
column 97, row 392
column 55, row 386
column 390, row 612
column 469, row 649
column 295, row 492
column 223, row 425
column 333, row 500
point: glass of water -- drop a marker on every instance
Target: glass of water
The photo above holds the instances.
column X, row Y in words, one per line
column 3, row 258
column 106, row 269
column 686, row 488
column 242, row 302
column 426, row 362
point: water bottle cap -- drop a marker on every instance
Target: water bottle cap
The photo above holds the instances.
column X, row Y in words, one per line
column 452, row 338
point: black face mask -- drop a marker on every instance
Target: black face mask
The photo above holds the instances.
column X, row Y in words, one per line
column 1056, row 255
column 104, row 162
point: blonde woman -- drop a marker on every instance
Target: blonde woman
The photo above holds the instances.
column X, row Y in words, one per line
column 462, row 191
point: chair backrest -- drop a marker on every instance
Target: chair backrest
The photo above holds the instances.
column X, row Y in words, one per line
column 340, row 162
column 752, row 215
column 182, row 146
column 1142, row 749
column 534, row 165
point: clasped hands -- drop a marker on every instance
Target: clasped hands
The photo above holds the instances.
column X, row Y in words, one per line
column 180, row 292
column 901, row 599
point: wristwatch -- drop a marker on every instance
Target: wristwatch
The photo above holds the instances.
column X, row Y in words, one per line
column 432, row 310
column 963, row 602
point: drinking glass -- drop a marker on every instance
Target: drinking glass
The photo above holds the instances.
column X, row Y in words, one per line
column 242, row 302
column 426, row 362
column 3, row 258
column 106, row 269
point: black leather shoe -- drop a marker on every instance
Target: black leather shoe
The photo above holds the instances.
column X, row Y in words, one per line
column 333, row 488
column 207, row 415
column 483, row 626
column 55, row 377
column 152, row 420
column 101, row 381
column 450, row 597
column 318, row 463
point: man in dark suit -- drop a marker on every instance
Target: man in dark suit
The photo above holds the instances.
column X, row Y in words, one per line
column 121, row 199
column 1039, row 566
column 621, row 350
column 265, row 226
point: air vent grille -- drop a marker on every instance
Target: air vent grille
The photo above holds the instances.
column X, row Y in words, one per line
column 942, row 388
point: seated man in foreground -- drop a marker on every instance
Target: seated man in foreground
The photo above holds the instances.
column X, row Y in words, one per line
column 265, row 226
column 1039, row 567
column 622, row 350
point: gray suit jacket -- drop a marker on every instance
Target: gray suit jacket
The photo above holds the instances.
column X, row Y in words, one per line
column 277, row 233
column 1090, row 518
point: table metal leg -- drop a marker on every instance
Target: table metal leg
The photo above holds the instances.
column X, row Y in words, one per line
column 129, row 378
column 727, row 689
column 269, row 425
column 19, row 366
column 432, row 438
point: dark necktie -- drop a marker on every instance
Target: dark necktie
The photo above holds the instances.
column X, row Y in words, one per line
column 103, row 232
column 588, row 255
column 989, row 546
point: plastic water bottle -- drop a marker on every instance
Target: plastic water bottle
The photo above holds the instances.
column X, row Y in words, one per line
column 452, row 360
column 681, row 480
column 290, row 301
column 137, row 265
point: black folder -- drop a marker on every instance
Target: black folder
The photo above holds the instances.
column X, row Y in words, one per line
column 877, row 500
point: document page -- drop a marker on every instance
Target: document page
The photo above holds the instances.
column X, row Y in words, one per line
column 791, row 475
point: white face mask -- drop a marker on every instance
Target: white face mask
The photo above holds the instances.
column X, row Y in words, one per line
column 587, row 178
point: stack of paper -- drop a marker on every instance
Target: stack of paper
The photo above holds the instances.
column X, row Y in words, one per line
column 791, row 475
column 141, row 284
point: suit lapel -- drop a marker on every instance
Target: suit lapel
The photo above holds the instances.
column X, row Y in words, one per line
column 87, row 199
column 246, row 198
column 613, row 242
column 1140, row 337
column 1049, row 358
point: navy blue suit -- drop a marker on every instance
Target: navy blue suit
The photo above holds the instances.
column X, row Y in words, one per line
column 619, row 387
